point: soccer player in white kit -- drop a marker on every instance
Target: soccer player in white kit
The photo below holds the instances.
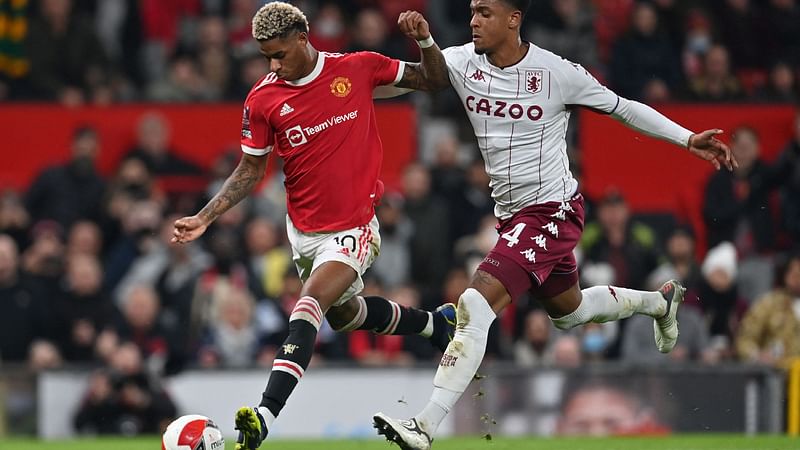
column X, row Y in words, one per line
column 518, row 98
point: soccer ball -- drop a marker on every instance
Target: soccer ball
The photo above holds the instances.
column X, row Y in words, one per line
column 192, row 432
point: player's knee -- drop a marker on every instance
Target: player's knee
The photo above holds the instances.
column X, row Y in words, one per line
column 474, row 310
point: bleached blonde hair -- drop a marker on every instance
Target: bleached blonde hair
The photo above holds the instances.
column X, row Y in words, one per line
column 277, row 20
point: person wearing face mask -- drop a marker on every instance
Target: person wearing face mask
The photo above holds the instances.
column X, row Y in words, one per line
column 72, row 191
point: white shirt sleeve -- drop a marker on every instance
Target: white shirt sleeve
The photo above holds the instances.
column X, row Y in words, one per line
column 581, row 88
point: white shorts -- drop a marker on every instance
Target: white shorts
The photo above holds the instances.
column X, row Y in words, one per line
column 357, row 247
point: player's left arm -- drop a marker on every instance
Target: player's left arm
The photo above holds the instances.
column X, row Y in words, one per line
column 430, row 74
column 583, row 89
column 704, row 145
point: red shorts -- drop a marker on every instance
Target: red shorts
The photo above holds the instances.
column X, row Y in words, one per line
column 534, row 252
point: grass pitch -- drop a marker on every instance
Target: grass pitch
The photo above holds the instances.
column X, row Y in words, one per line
column 679, row 442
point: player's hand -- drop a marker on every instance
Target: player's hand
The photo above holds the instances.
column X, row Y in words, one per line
column 705, row 145
column 187, row 229
column 414, row 25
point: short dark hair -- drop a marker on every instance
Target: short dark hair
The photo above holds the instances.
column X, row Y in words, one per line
column 522, row 5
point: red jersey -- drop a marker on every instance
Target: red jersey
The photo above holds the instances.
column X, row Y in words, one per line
column 323, row 127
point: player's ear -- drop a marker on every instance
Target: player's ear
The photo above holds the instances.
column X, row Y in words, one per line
column 515, row 19
column 302, row 37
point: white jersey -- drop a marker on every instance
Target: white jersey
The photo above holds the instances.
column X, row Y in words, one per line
column 520, row 115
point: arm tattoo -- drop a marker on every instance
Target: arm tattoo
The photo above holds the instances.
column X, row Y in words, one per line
column 428, row 75
column 246, row 175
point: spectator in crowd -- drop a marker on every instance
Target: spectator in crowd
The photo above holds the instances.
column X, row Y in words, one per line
column 231, row 338
column 680, row 264
column 719, row 298
column 570, row 33
column 781, row 86
column 72, row 191
column 737, row 209
column 239, row 24
column 716, row 83
column 735, row 205
column 535, row 348
column 171, row 270
column 43, row 260
column 85, row 238
column 142, row 324
column 329, row 30
column 787, row 176
column 83, row 310
column 124, row 399
column 153, row 148
column 225, row 273
column 267, row 260
column 182, row 83
column 782, row 38
column 66, row 57
column 430, row 252
column 741, row 30
column 393, row 268
column 627, row 246
column 139, row 236
column 770, row 332
column 567, row 352
column 371, row 33
column 14, row 218
column 643, row 56
column 22, row 319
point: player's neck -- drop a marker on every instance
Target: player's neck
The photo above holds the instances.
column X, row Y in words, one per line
column 312, row 61
column 508, row 54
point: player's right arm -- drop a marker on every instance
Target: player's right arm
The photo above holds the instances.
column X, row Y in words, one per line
column 257, row 141
column 238, row 185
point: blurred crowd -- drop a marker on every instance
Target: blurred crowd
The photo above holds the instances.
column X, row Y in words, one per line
column 88, row 276
column 86, row 266
column 201, row 50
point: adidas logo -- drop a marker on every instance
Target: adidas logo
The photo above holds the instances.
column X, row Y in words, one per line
column 286, row 109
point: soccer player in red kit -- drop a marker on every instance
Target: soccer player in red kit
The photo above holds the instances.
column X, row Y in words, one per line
column 315, row 111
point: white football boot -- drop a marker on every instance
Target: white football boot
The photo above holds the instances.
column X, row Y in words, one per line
column 666, row 327
column 405, row 433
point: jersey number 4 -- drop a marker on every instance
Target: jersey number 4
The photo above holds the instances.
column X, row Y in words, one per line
column 512, row 236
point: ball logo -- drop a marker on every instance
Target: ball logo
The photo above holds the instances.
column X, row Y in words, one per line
column 341, row 86
column 533, row 81
column 295, row 136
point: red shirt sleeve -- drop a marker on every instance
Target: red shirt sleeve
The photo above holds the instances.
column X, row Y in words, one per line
column 384, row 70
column 257, row 135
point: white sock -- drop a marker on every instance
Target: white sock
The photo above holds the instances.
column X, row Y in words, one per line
column 607, row 303
column 267, row 415
column 461, row 360
column 428, row 330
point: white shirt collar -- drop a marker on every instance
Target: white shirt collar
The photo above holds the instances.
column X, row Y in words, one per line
column 314, row 73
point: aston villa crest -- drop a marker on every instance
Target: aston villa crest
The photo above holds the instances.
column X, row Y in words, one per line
column 533, row 81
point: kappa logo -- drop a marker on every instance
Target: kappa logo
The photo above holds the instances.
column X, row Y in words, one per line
column 529, row 254
column 533, row 81
column 541, row 241
column 560, row 215
column 296, row 136
column 552, row 228
column 478, row 75
column 286, row 109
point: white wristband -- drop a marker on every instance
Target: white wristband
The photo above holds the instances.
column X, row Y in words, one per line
column 427, row 42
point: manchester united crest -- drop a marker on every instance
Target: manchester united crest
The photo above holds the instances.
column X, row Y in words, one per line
column 533, row 81
column 341, row 86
